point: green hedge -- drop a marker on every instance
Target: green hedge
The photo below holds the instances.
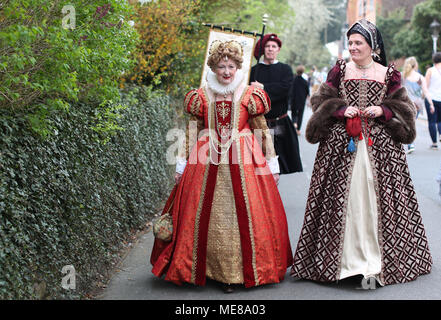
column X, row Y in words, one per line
column 71, row 200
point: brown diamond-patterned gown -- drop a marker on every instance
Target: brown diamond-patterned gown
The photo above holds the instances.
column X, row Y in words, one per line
column 362, row 214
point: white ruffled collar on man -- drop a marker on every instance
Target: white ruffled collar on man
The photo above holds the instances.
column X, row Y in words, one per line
column 219, row 88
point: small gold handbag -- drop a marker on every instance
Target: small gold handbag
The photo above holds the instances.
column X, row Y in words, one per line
column 163, row 227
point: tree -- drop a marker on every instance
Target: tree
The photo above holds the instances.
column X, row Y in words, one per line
column 171, row 45
column 332, row 31
column 423, row 15
column 303, row 44
column 390, row 26
column 173, row 39
column 247, row 14
column 411, row 39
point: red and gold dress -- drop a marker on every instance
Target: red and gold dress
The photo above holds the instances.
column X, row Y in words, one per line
column 228, row 218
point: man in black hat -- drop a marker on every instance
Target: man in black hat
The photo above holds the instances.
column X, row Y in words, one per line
column 276, row 79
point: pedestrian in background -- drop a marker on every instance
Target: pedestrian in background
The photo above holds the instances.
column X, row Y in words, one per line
column 362, row 217
column 433, row 79
column 323, row 74
column 415, row 84
column 305, row 76
column 276, row 79
column 298, row 96
column 316, row 79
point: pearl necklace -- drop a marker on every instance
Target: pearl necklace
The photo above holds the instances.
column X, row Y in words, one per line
column 214, row 143
column 367, row 66
column 364, row 68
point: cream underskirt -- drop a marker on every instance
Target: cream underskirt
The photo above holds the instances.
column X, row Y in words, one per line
column 361, row 250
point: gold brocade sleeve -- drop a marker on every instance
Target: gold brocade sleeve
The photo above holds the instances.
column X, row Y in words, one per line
column 258, row 103
column 259, row 122
column 194, row 126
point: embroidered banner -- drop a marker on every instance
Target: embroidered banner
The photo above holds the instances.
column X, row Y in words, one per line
column 248, row 42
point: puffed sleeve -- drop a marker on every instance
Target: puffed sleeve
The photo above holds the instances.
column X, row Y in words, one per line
column 334, row 76
column 193, row 103
column 401, row 111
column 394, row 82
column 258, row 103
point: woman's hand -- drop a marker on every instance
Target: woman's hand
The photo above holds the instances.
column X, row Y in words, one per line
column 257, row 84
column 276, row 178
column 351, row 112
column 178, row 177
column 373, row 112
column 432, row 109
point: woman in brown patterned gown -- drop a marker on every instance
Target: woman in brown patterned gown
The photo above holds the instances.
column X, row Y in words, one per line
column 229, row 223
column 362, row 216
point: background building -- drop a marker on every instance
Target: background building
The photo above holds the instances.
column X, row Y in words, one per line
column 359, row 9
column 370, row 9
column 392, row 5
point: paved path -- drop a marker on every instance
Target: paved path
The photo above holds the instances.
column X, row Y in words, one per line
column 135, row 280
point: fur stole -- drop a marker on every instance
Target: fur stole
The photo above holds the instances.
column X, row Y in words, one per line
column 326, row 101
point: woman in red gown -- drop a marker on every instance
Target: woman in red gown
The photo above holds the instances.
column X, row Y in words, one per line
column 229, row 223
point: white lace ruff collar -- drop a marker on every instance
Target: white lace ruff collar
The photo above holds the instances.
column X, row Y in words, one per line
column 219, row 88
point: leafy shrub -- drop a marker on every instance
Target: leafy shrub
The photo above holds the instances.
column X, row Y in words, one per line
column 48, row 60
column 172, row 46
column 70, row 199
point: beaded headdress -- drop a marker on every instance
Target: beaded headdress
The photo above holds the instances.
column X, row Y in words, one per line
column 373, row 37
